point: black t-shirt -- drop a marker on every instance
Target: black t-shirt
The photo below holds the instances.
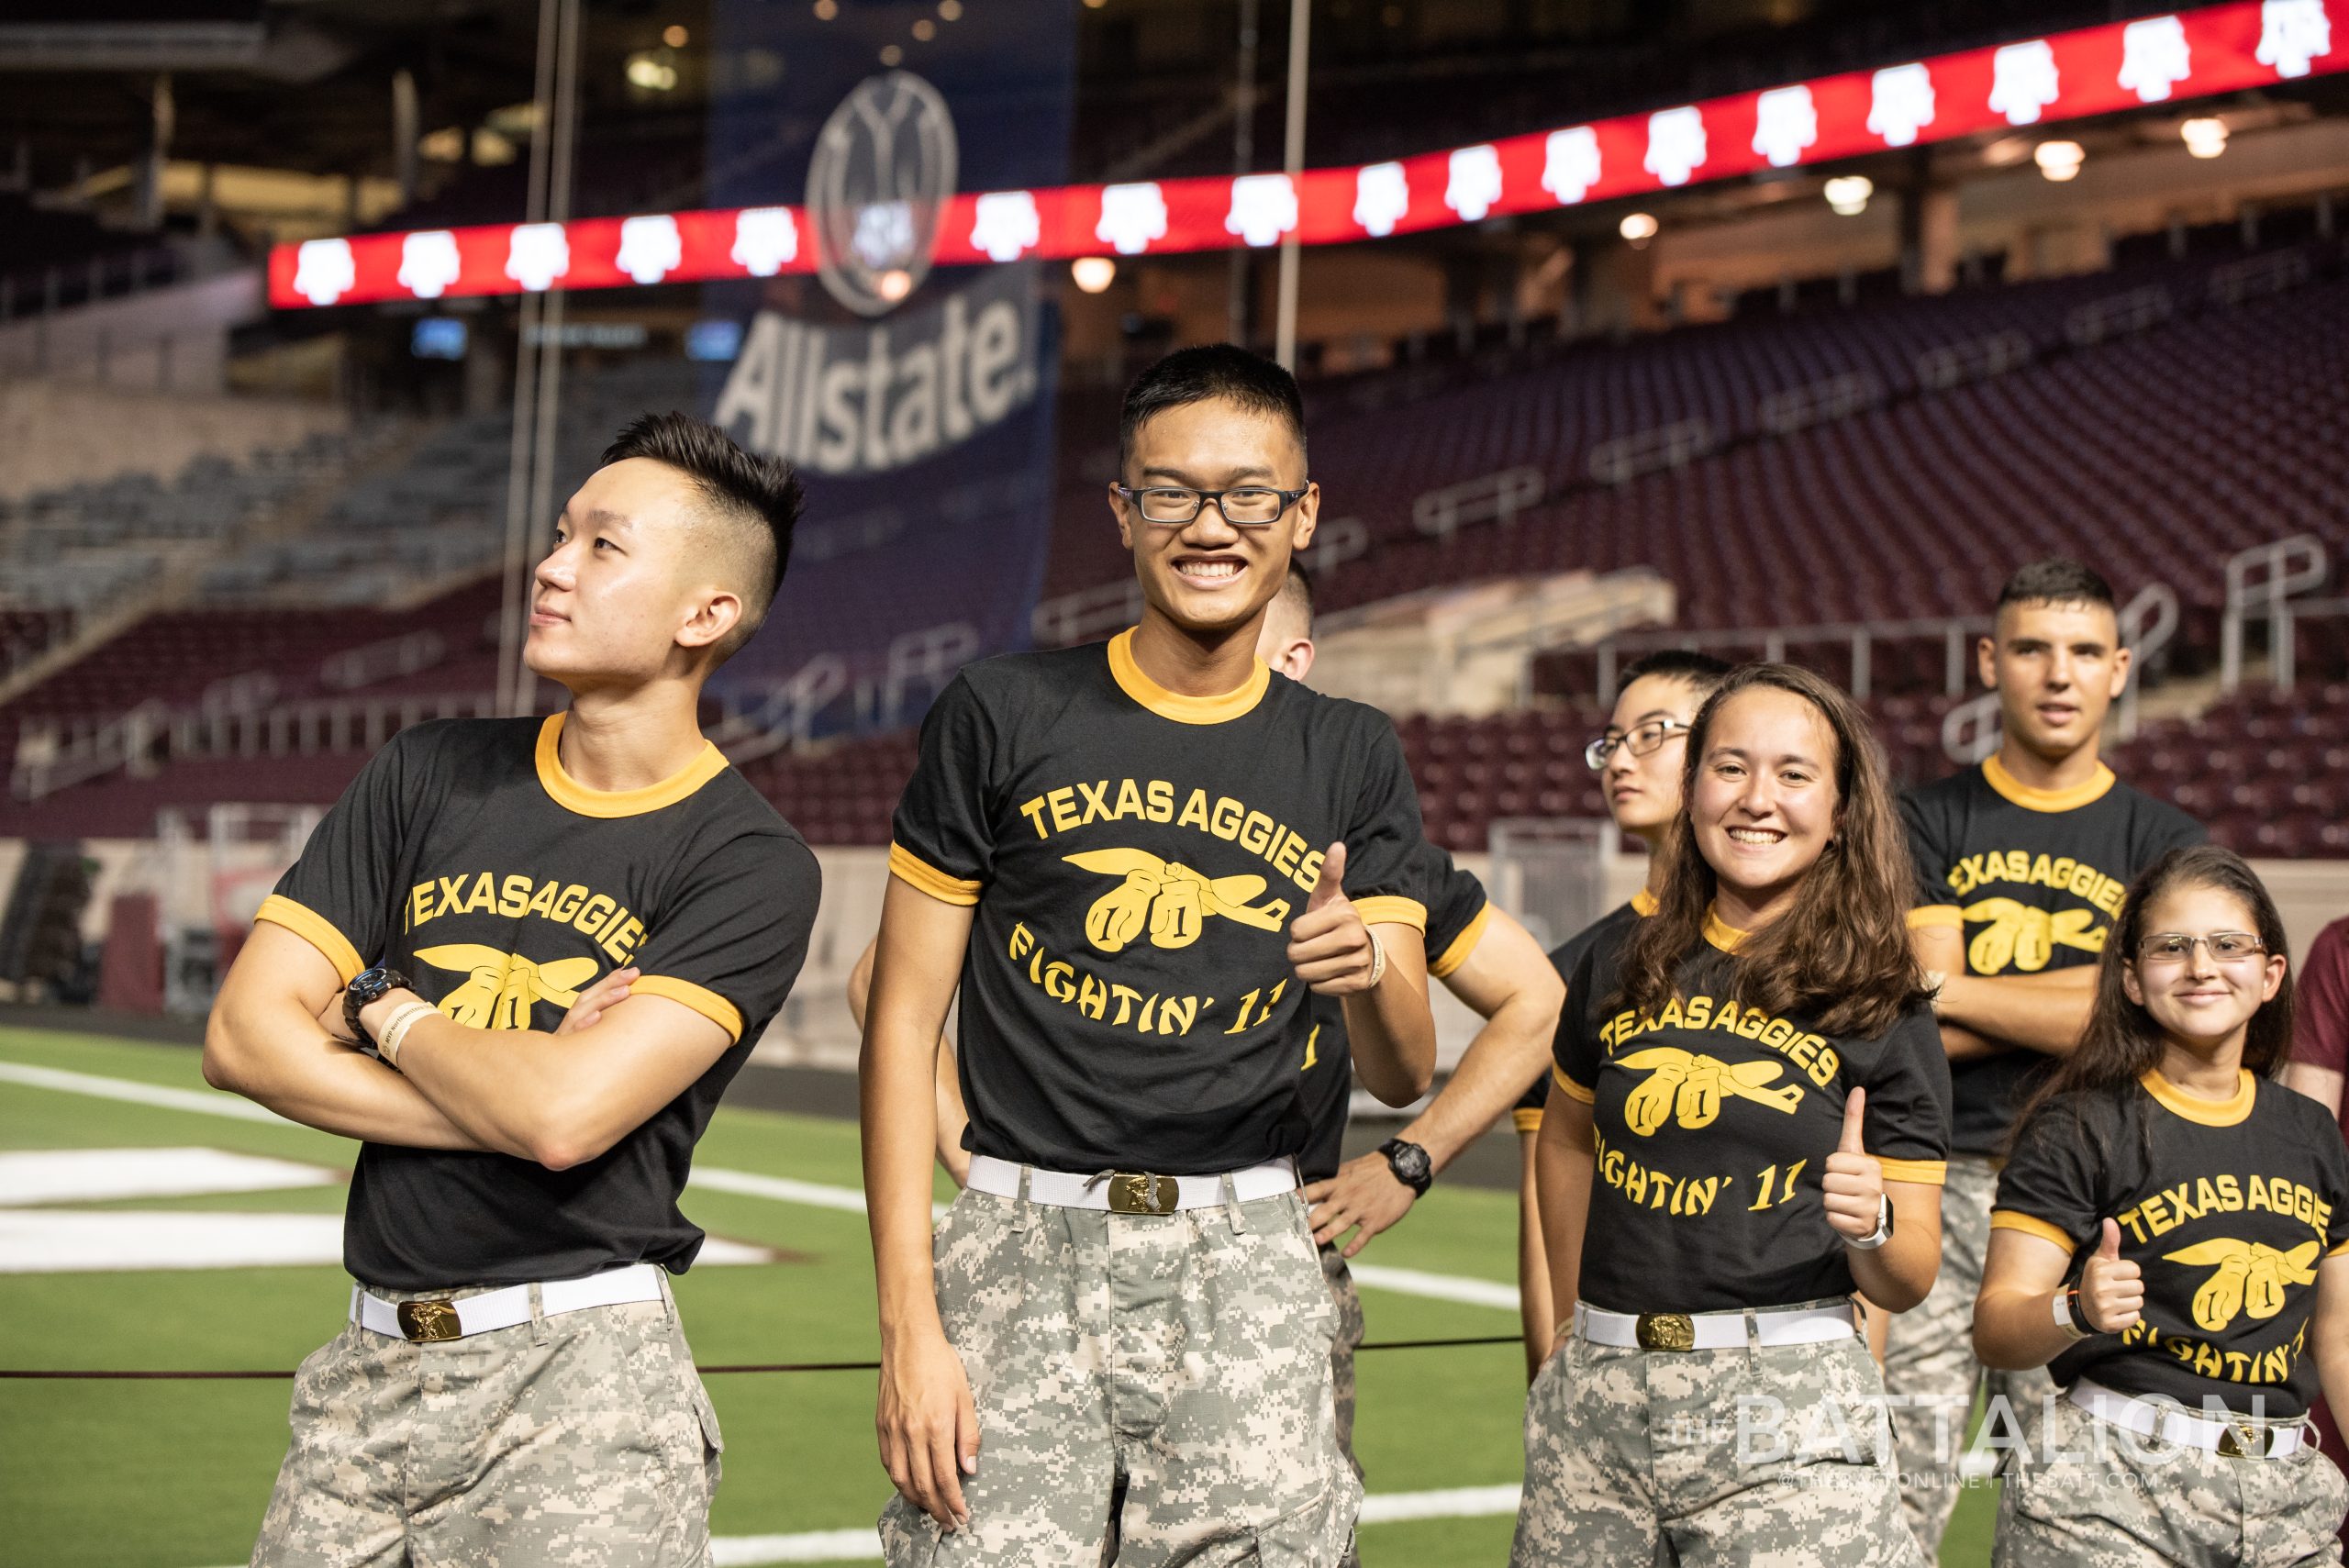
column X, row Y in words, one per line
column 2228, row 1209
column 465, row 857
column 1566, row 958
column 1456, row 922
column 1137, row 856
column 2035, row 878
column 1714, row 1123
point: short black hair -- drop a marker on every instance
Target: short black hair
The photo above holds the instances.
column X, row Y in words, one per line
column 1701, row 672
column 1298, row 588
column 1210, row 370
column 757, row 500
column 2056, row 580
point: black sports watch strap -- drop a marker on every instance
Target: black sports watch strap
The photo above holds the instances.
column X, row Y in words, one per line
column 1410, row 1165
column 368, row 985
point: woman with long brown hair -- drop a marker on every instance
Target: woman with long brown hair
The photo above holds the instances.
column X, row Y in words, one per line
column 2165, row 1241
column 1751, row 1123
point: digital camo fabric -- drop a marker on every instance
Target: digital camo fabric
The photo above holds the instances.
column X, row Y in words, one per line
column 1711, row 1459
column 1180, row 1361
column 2033, row 878
column 1136, row 857
column 466, row 857
column 1456, row 920
column 438, row 1453
column 2100, row 1501
column 2227, row 1209
column 1714, row 1122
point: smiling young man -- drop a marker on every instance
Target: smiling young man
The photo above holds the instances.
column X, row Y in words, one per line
column 1136, row 861
column 2020, row 864
column 521, row 960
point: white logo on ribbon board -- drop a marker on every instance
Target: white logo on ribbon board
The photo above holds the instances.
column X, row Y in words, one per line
column 1132, row 217
column 1570, row 163
column 1900, row 103
column 651, row 247
column 2291, row 34
column 2153, row 58
column 1785, row 125
column 1676, row 144
column 1382, row 195
column 1474, row 187
column 537, row 255
column 323, row 270
column 428, row 262
column 1006, row 224
column 766, row 240
column 2022, row 81
column 1263, row 207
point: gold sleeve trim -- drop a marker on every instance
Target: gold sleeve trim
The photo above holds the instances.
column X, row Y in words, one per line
column 1528, row 1119
column 315, row 929
column 700, row 998
column 1558, row 1077
column 2339, row 1250
column 2008, row 1219
column 1933, row 915
column 912, row 868
column 1463, row 944
column 1931, row 1173
column 1392, row 910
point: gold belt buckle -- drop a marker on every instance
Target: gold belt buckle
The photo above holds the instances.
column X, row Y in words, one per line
column 1666, row 1332
column 427, row 1320
column 1132, row 1192
column 2242, row 1439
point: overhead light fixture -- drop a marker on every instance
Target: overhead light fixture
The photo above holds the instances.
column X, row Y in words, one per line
column 2059, row 160
column 674, row 36
column 925, row 30
column 1092, row 273
column 647, row 70
column 1639, row 228
column 891, row 54
column 446, row 145
column 827, row 9
column 2205, row 137
column 894, row 285
column 1849, row 194
column 2007, row 152
column 950, row 10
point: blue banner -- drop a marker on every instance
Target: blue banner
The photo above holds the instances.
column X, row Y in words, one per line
column 917, row 404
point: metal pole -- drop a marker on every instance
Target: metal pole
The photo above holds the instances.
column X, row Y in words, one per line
column 1243, row 155
column 513, row 617
column 546, row 447
column 1300, row 36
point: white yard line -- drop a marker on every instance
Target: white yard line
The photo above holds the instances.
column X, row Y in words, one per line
column 746, row 1183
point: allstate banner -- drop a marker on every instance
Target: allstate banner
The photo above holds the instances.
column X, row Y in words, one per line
column 916, row 401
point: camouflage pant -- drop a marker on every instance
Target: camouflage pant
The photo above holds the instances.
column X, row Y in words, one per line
column 1177, row 1364
column 1929, row 1365
column 584, row 1440
column 1348, row 1301
column 1709, row 1458
column 2109, row 1499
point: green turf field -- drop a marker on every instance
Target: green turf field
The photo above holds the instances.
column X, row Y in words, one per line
column 174, row 1476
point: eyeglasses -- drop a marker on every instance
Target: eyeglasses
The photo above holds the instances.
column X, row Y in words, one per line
column 1641, row 740
column 1251, row 506
column 2177, row 947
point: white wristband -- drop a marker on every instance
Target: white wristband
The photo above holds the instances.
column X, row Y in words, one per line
column 2064, row 1317
column 1883, row 1232
column 396, row 1030
column 1377, row 961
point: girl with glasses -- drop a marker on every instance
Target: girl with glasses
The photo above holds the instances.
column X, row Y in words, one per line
column 2166, row 1241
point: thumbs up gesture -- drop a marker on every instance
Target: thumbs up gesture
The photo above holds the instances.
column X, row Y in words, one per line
column 1329, row 946
column 2112, row 1288
column 1854, row 1181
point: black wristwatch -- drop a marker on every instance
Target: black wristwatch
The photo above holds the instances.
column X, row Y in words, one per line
column 369, row 985
column 1410, row 1165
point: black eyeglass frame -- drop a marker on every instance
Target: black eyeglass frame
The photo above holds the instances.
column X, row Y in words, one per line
column 1596, row 754
column 1133, row 495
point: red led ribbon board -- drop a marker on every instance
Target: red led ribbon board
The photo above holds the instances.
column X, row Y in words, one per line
column 2030, row 83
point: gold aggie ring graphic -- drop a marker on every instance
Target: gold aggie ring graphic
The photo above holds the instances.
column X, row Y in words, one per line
column 1174, row 899
column 503, row 984
column 2025, row 936
column 1691, row 1087
column 2251, row 1277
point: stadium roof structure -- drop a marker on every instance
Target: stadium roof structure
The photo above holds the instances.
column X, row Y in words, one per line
column 2030, row 82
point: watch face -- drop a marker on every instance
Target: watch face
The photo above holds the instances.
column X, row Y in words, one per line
column 1410, row 1164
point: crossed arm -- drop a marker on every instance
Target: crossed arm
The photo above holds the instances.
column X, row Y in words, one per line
column 1986, row 1015
column 502, row 1091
